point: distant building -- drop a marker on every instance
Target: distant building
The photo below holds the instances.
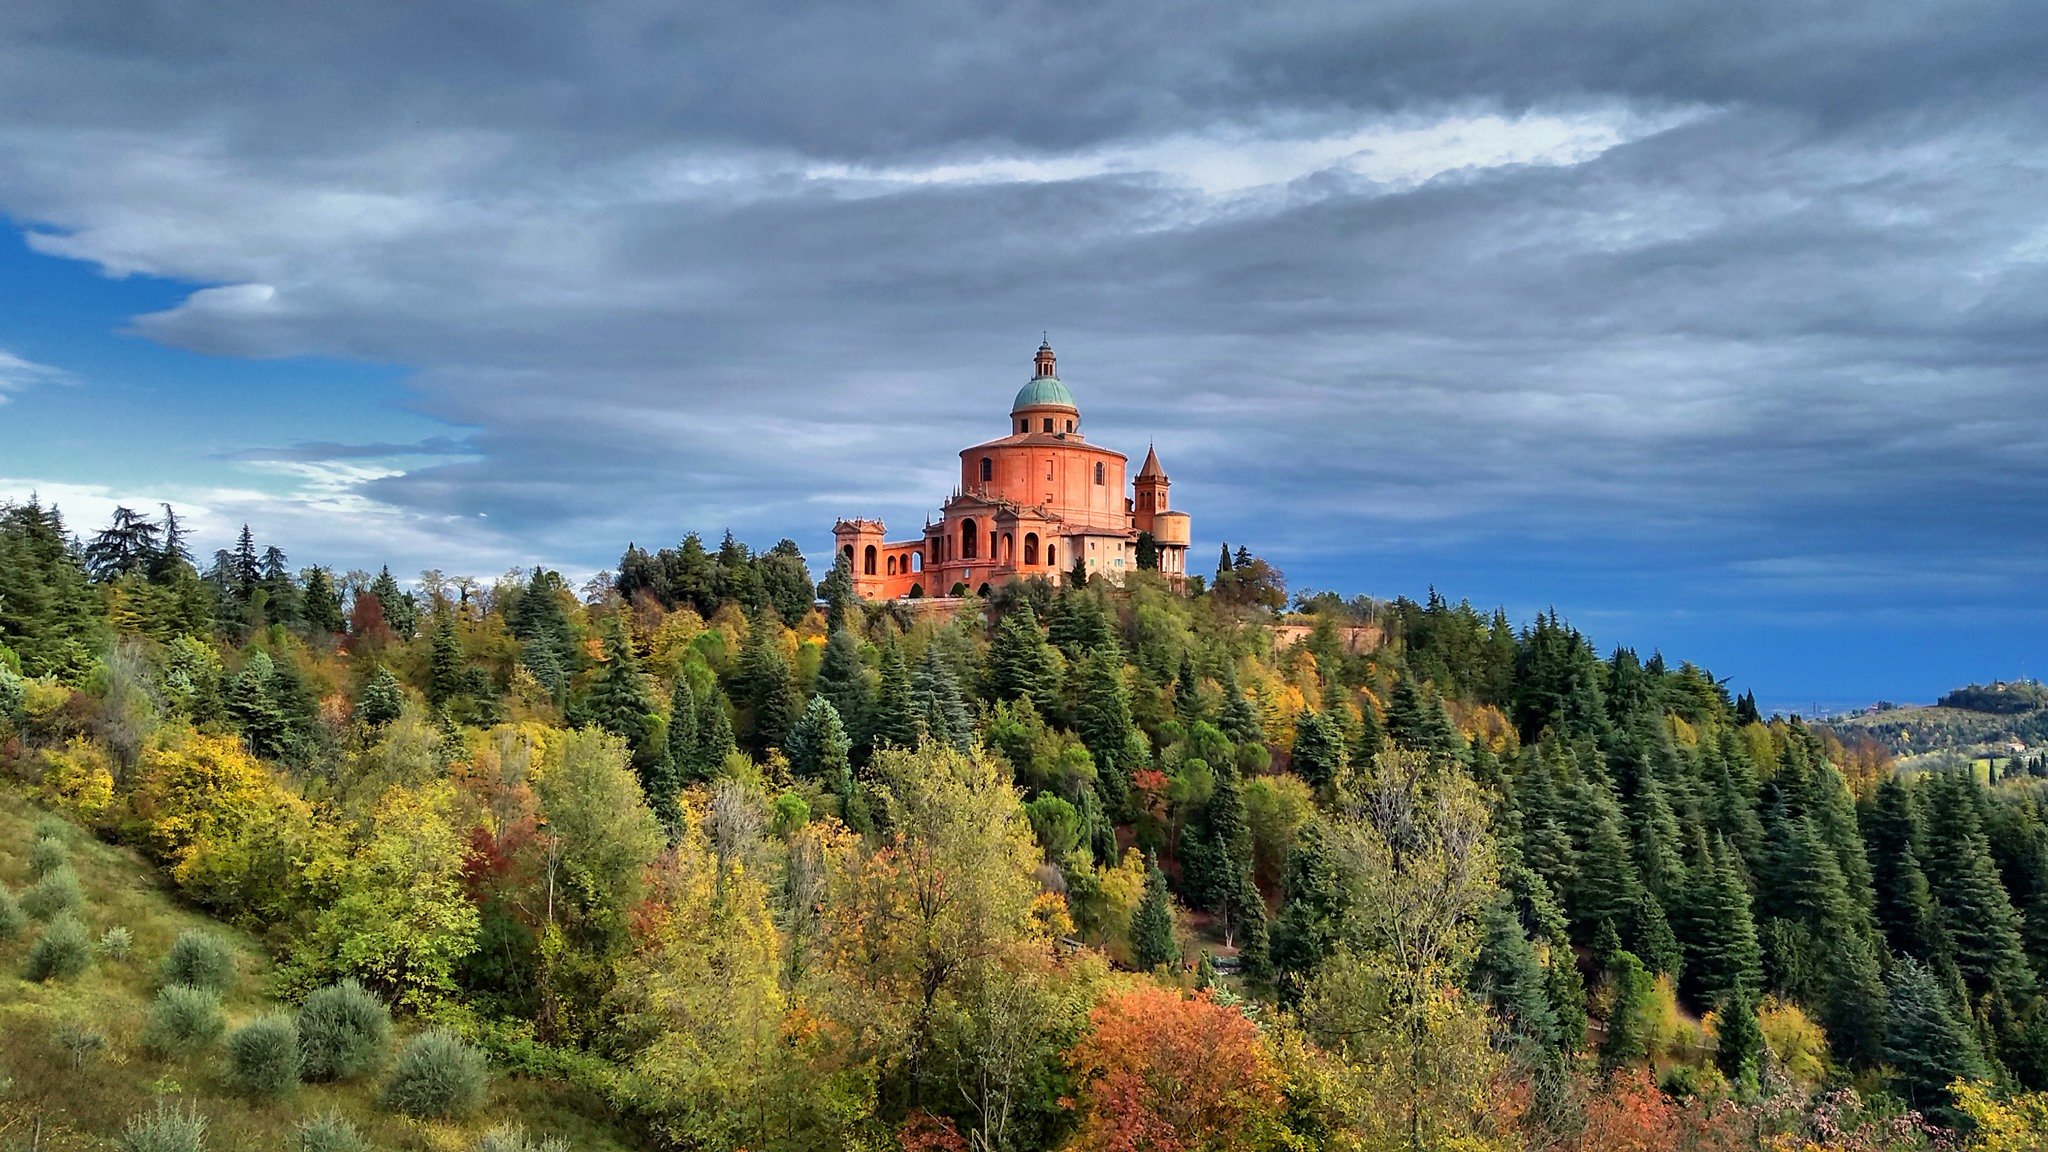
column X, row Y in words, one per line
column 1027, row 504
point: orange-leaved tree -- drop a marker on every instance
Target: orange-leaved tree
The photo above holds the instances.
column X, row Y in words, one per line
column 1164, row 1072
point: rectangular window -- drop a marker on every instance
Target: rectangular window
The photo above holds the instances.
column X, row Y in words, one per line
column 1048, row 424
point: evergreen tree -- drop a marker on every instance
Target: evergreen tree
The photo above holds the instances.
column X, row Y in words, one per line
column 1248, row 928
column 1080, row 623
column 680, row 758
column 1975, row 912
column 941, row 711
column 1318, row 751
column 1187, row 693
column 1631, row 1020
column 172, row 553
column 322, row 602
column 1312, row 916
column 839, row 596
column 244, row 567
column 1102, row 719
column 894, row 720
column 1720, row 944
column 1604, row 885
column 1650, row 936
column 1416, row 720
column 1739, row 1040
column 1927, row 1044
column 1508, row 976
column 714, row 735
column 766, row 687
column 444, row 662
column 1021, row 664
column 843, row 681
column 1240, row 721
column 1223, row 564
column 126, row 545
column 49, row 615
column 400, row 612
column 786, row 581
column 381, row 700
column 1153, row 944
column 280, row 591
column 819, row 748
column 619, row 701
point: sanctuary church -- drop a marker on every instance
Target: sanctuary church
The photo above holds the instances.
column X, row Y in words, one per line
column 1036, row 502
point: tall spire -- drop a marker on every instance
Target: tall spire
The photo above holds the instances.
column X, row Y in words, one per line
column 1151, row 467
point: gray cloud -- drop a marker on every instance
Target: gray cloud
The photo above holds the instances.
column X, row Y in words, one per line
column 1762, row 289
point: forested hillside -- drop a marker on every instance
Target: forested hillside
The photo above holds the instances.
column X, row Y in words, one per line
column 2001, row 722
column 754, row 865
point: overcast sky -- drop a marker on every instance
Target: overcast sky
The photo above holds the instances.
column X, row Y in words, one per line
column 1721, row 327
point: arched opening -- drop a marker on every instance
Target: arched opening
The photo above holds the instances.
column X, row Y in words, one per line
column 916, row 592
column 1098, row 473
column 1031, row 549
column 890, row 564
column 1050, row 560
column 988, row 469
column 847, row 552
column 868, row 563
column 916, row 560
column 970, row 545
column 1009, row 548
column 982, row 591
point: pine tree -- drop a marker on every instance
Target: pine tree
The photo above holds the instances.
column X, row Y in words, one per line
column 127, row 545
column 844, row 681
column 894, row 720
column 444, row 663
column 400, row 612
column 714, row 735
column 1318, row 756
column 1739, row 1040
column 1080, row 623
column 941, row 710
column 766, row 686
column 619, row 700
column 1720, row 944
column 818, row 747
column 1650, row 936
column 322, row 602
column 1020, row 662
column 1240, row 721
column 1312, row 916
column 1102, row 720
column 1975, row 911
column 381, row 700
column 1248, row 929
column 839, row 596
column 1153, row 944
column 1508, row 976
column 1604, row 887
column 1187, row 693
column 1926, row 1042
column 1631, row 1021
column 172, row 553
column 680, row 760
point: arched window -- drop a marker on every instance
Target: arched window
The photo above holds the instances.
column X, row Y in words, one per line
column 868, row 564
column 1009, row 548
column 916, row 562
column 988, row 469
column 969, row 545
column 848, row 553
column 1049, row 561
column 891, row 565
column 1098, row 472
column 1031, row 549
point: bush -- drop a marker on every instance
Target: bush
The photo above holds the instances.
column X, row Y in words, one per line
column 264, row 1057
column 53, row 895
column 81, row 1040
column 165, row 1128
column 182, row 1021
column 331, row 1132
column 116, row 943
column 343, row 1032
column 12, row 918
column 200, row 960
column 513, row 1138
column 63, row 953
column 437, row 1075
column 45, row 857
column 51, row 828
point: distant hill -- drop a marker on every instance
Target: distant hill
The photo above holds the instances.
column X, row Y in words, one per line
column 1999, row 720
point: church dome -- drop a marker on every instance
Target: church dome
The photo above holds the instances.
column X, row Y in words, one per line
column 1044, row 392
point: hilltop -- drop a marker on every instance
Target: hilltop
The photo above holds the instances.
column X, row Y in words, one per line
column 1996, row 722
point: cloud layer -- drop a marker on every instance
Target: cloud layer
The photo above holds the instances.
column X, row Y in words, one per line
column 1735, row 306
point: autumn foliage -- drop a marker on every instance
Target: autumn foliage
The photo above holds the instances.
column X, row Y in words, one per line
column 1166, row 1072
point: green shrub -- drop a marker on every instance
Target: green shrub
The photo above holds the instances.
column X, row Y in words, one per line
column 182, row 1021
column 437, row 1075
column 52, row 828
column 12, row 918
column 81, row 1041
column 45, row 857
column 513, row 1138
column 165, row 1128
column 116, row 943
column 263, row 1057
column 343, row 1032
column 331, row 1132
column 200, row 960
column 53, row 895
column 63, row 953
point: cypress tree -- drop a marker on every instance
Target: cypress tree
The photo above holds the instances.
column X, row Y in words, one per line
column 1152, row 940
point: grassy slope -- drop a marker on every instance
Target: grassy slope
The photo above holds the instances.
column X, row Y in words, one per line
column 86, row 1108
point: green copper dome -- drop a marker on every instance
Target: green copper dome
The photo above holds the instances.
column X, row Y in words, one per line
column 1043, row 392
